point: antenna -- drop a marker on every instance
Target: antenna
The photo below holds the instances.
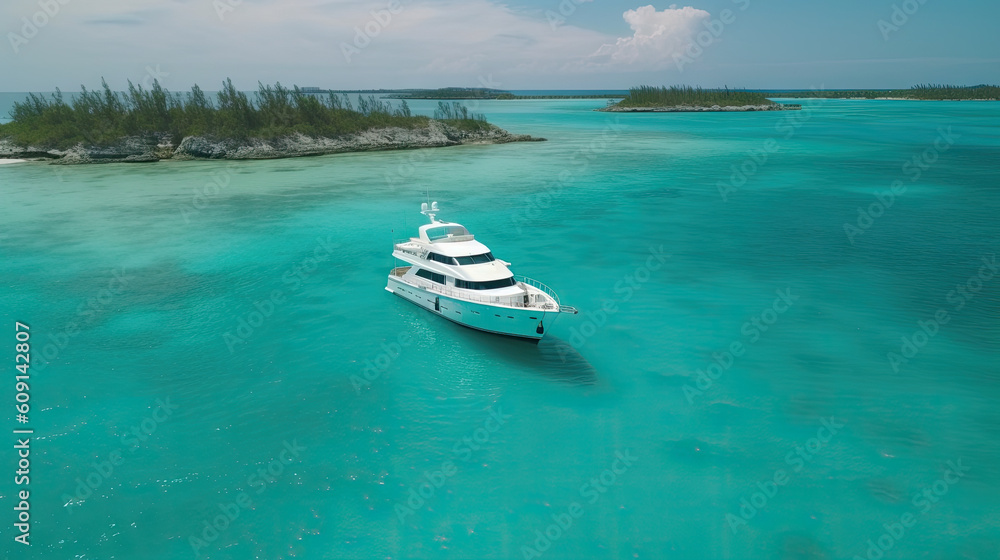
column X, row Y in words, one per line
column 429, row 210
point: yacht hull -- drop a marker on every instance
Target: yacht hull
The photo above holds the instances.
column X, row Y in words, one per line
column 508, row 321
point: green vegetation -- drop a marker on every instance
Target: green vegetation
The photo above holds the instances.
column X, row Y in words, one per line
column 459, row 116
column 647, row 96
column 101, row 118
column 484, row 93
column 923, row 92
column 651, row 96
column 591, row 96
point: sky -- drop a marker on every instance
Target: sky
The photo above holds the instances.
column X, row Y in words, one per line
column 516, row 45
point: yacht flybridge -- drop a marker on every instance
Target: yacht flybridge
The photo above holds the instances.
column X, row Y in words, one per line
column 457, row 277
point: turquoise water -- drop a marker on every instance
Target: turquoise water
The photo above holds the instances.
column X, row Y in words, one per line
column 156, row 380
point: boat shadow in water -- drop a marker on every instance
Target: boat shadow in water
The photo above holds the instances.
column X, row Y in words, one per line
column 559, row 360
column 551, row 357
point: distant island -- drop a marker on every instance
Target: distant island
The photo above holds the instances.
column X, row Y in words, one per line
column 150, row 125
column 919, row 92
column 683, row 99
column 485, row 93
column 923, row 92
column 645, row 99
column 449, row 93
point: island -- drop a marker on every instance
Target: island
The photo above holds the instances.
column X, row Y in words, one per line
column 687, row 99
column 488, row 94
column 448, row 93
column 147, row 125
column 923, row 92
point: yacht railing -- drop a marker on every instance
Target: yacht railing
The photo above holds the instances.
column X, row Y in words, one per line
column 401, row 246
column 453, row 238
column 445, row 239
column 534, row 301
column 536, row 284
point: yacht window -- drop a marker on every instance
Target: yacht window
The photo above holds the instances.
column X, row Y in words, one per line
column 442, row 232
column 490, row 285
column 476, row 259
column 441, row 258
column 432, row 276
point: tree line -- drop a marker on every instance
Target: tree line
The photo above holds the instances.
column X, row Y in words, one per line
column 653, row 96
column 928, row 92
column 103, row 117
column 660, row 96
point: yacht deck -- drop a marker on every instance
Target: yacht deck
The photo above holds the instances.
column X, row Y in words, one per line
column 534, row 295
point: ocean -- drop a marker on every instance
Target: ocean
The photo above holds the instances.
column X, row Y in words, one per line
column 787, row 347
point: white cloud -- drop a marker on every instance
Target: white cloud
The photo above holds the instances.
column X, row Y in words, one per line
column 656, row 36
column 428, row 43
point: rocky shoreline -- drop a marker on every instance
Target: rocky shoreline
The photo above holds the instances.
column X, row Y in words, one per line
column 700, row 109
column 158, row 147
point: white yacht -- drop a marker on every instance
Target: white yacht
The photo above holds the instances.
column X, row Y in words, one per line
column 458, row 278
